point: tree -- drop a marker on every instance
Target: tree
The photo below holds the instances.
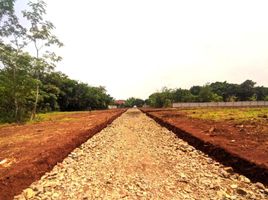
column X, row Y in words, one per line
column 220, row 88
column 18, row 90
column 161, row 99
column 195, row 89
column 7, row 9
column 28, row 83
column 206, row 95
column 132, row 101
column 232, row 92
column 17, row 37
column 14, row 35
column 40, row 35
column 246, row 90
column 261, row 93
column 215, row 92
column 155, row 100
column 183, row 95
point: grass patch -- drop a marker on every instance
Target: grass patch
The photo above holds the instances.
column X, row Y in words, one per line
column 52, row 116
column 236, row 114
column 3, row 124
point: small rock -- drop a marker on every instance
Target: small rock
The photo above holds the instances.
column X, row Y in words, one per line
column 228, row 169
column 260, row 185
column 233, row 186
column 212, row 129
column 241, row 191
column 224, row 174
column 38, row 188
column 3, row 161
column 182, row 175
column 266, row 191
column 215, row 187
column 28, row 193
column 55, row 195
column 244, row 179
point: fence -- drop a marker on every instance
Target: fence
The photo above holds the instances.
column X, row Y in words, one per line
column 221, row 104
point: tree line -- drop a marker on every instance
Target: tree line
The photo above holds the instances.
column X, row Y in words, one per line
column 214, row 92
column 28, row 81
column 132, row 101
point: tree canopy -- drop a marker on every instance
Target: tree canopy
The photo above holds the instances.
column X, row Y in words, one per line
column 214, row 92
column 132, row 101
column 28, row 82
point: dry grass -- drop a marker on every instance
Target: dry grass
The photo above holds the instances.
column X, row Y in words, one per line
column 236, row 114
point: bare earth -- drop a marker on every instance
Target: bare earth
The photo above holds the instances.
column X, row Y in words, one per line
column 135, row 158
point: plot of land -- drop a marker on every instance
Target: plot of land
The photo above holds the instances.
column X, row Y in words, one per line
column 242, row 132
column 135, row 158
column 28, row 151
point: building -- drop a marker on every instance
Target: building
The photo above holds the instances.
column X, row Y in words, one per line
column 117, row 104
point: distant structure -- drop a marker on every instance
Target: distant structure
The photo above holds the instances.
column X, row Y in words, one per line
column 120, row 103
column 112, row 106
column 221, row 104
column 117, row 104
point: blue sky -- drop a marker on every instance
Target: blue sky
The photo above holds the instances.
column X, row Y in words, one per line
column 137, row 47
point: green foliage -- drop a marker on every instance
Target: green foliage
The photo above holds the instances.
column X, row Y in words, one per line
column 28, row 83
column 161, row 99
column 261, row 93
column 6, row 8
column 214, row 92
column 182, row 95
column 16, row 87
column 131, row 102
column 206, row 95
column 195, row 90
column 246, row 90
column 71, row 95
column 41, row 36
column 156, row 100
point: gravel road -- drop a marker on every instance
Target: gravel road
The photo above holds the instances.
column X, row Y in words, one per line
column 135, row 158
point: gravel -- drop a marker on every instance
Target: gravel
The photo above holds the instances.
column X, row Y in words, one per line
column 135, row 158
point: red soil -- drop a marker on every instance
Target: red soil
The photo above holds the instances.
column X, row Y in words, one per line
column 28, row 151
column 244, row 147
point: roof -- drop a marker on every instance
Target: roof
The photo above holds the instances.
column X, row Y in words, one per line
column 119, row 102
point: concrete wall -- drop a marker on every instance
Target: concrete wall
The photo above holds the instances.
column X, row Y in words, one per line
column 221, row 104
column 112, row 106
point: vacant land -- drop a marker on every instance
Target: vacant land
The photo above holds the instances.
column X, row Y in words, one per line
column 240, row 132
column 135, row 158
column 238, row 115
column 28, row 151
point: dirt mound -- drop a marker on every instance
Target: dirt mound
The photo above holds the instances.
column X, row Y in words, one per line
column 241, row 147
column 28, row 151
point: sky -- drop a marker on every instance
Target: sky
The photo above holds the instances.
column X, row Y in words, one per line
column 135, row 48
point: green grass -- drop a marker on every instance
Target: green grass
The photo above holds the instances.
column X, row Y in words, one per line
column 236, row 114
column 59, row 116
column 3, row 124
column 50, row 116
